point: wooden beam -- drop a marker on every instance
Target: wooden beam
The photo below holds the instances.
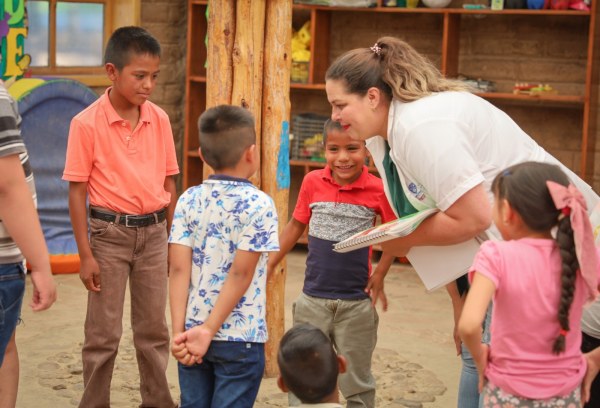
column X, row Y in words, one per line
column 219, row 72
column 275, row 180
column 248, row 62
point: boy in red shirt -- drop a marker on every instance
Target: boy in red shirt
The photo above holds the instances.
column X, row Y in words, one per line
column 121, row 156
column 336, row 202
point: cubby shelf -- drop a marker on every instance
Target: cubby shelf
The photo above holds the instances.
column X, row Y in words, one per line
column 459, row 41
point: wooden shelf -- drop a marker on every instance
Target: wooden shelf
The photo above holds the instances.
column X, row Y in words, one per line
column 427, row 10
column 559, row 47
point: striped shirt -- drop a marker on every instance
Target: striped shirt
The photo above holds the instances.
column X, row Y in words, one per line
column 12, row 143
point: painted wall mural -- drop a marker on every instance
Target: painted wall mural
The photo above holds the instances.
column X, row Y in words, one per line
column 13, row 31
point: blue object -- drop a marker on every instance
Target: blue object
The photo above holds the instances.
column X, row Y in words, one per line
column 47, row 111
column 535, row 4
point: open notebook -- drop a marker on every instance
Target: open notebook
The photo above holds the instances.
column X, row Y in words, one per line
column 435, row 265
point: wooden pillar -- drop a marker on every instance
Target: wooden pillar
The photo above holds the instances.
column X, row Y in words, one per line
column 219, row 72
column 275, row 149
column 249, row 66
column 248, row 62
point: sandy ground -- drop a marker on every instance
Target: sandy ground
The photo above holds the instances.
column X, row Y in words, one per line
column 414, row 363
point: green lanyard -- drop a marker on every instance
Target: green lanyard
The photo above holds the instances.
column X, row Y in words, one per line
column 399, row 200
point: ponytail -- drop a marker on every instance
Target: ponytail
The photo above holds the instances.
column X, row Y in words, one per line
column 395, row 68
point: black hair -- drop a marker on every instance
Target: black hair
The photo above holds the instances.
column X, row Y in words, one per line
column 524, row 187
column 308, row 363
column 226, row 131
column 330, row 126
column 125, row 41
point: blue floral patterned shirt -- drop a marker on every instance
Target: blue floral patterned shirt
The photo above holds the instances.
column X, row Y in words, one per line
column 215, row 219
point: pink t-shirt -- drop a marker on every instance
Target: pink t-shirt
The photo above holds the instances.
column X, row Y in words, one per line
column 125, row 168
column 526, row 274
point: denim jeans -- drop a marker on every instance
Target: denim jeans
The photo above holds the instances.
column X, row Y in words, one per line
column 229, row 376
column 468, row 392
column 12, row 289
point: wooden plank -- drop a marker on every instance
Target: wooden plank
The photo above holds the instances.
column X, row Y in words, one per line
column 219, row 72
column 450, row 45
column 275, row 179
column 247, row 58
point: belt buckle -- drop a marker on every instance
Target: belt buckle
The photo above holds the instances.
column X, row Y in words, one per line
column 127, row 222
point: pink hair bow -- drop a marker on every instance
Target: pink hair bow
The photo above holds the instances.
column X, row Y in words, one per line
column 571, row 202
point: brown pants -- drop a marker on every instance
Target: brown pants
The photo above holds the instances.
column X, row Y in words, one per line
column 140, row 256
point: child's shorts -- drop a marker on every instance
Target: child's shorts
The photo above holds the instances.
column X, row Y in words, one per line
column 494, row 397
column 12, row 289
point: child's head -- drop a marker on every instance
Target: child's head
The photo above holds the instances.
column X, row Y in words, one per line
column 226, row 135
column 127, row 42
column 522, row 196
column 308, row 364
column 523, row 186
column 345, row 156
column 132, row 59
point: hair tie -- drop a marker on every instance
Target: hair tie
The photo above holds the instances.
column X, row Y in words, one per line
column 376, row 49
column 570, row 202
column 563, row 332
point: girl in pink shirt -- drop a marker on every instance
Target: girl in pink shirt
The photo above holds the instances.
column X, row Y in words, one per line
column 539, row 285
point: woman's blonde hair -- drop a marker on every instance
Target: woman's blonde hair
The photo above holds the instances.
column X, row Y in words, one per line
column 394, row 67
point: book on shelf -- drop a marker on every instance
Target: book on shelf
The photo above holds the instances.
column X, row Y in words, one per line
column 435, row 265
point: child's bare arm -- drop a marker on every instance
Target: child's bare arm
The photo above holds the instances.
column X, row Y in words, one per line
column 471, row 319
column 375, row 286
column 236, row 284
column 89, row 271
column 180, row 270
column 287, row 239
column 171, row 188
column 21, row 220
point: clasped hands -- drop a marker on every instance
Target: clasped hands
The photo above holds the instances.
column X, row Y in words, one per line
column 190, row 346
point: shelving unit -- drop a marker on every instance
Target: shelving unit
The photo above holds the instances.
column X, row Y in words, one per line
column 507, row 46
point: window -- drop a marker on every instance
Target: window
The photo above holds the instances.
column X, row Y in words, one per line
column 67, row 37
column 67, row 34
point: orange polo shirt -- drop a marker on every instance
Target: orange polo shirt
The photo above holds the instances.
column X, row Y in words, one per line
column 125, row 169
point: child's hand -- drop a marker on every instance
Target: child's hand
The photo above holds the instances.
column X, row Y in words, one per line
column 197, row 341
column 481, row 361
column 44, row 290
column 375, row 289
column 593, row 367
column 89, row 273
column 180, row 352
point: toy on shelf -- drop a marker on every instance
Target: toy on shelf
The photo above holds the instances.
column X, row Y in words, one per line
column 524, row 88
column 301, row 54
column 479, row 84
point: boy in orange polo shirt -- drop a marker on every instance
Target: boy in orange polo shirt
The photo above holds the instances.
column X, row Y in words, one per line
column 121, row 155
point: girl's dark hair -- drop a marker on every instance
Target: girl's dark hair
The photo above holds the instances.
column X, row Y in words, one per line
column 524, row 187
column 395, row 68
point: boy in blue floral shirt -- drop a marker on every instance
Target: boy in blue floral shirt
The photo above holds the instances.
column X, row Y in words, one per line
column 221, row 233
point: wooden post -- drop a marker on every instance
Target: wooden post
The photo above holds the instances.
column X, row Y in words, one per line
column 275, row 149
column 248, row 62
column 219, row 72
column 236, row 48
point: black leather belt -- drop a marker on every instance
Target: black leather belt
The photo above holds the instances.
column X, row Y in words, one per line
column 129, row 220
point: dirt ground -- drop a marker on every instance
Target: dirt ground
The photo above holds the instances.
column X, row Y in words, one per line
column 414, row 364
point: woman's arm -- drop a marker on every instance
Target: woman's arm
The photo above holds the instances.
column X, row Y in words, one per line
column 469, row 216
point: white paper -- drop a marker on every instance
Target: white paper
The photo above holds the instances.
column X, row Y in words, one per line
column 440, row 265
